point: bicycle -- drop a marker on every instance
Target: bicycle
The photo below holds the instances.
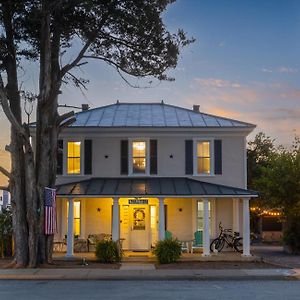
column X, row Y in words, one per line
column 232, row 240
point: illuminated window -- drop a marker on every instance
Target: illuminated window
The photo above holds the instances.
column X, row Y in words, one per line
column 139, row 157
column 153, row 217
column 77, row 217
column 73, row 158
column 203, row 157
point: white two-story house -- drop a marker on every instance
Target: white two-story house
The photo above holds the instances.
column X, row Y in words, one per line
column 136, row 171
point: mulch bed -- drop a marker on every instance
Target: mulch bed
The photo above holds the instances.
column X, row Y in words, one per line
column 216, row 265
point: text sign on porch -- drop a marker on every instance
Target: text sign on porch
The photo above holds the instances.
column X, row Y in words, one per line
column 138, row 201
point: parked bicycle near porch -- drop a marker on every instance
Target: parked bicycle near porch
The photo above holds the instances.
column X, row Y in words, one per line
column 232, row 240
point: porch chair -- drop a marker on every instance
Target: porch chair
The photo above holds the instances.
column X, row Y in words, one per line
column 198, row 240
column 168, row 235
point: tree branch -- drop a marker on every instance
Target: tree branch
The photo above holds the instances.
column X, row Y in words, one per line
column 65, row 116
column 8, row 148
column 76, row 61
column 10, row 116
column 5, row 172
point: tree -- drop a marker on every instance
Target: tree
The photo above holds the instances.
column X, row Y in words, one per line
column 276, row 175
column 128, row 35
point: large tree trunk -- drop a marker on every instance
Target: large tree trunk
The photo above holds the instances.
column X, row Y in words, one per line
column 47, row 125
column 17, row 180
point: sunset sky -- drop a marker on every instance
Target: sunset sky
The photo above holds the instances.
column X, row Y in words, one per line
column 245, row 64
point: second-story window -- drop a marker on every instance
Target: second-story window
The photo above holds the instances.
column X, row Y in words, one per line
column 73, row 158
column 203, row 157
column 139, row 157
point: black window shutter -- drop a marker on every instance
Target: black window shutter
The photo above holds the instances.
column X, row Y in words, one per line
column 124, row 157
column 218, row 156
column 189, row 157
column 153, row 156
column 60, row 157
column 88, row 157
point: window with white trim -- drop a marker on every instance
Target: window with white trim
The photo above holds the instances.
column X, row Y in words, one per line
column 203, row 153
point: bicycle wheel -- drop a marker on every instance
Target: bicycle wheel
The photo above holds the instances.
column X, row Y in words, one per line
column 217, row 245
column 238, row 244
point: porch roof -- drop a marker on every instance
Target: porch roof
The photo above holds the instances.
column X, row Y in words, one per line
column 149, row 186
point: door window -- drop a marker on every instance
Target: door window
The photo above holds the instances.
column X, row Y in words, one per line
column 139, row 217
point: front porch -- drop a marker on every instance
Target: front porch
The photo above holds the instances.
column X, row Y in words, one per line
column 139, row 212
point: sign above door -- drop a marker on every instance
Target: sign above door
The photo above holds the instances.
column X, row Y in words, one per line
column 138, row 201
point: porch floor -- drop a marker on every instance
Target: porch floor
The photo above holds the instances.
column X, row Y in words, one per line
column 130, row 256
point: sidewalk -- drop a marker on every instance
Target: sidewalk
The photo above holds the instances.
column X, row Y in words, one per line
column 274, row 254
column 147, row 274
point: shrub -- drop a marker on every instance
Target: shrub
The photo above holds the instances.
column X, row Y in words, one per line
column 6, row 231
column 291, row 236
column 108, row 251
column 167, row 251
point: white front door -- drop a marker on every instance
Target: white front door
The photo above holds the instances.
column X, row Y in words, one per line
column 139, row 227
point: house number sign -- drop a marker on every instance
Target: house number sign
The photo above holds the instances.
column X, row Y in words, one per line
column 138, row 201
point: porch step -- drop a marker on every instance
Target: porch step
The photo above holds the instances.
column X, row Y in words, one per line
column 136, row 267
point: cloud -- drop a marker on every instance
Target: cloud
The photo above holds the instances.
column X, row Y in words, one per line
column 281, row 69
column 221, row 44
column 272, row 106
column 287, row 70
column 218, row 83
column 266, row 70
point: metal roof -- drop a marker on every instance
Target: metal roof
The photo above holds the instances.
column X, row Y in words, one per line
column 150, row 186
column 151, row 115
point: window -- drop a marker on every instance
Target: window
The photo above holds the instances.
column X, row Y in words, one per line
column 77, row 217
column 139, row 157
column 200, row 216
column 203, row 157
column 73, row 158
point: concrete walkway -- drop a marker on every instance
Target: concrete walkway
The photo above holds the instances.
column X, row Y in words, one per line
column 275, row 255
column 149, row 274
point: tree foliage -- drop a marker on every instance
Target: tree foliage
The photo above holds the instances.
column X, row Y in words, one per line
column 128, row 35
column 275, row 173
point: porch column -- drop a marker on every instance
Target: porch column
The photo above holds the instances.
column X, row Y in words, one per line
column 236, row 214
column 246, row 228
column 206, row 238
column 162, row 224
column 116, row 220
column 70, row 235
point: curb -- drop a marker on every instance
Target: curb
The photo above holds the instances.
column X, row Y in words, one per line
column 193, row 275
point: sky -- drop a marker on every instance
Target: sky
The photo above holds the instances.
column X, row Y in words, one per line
column 245, row 64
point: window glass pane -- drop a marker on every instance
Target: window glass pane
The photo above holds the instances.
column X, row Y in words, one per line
column 77, row 227
column 77, row 216
column 73, row 158
column 200, row 216
column 203, row 149
column 76, row 149
column 153, row 217
column 139, row 165
column 76, row 209
column 203, row 165
column 138, row 149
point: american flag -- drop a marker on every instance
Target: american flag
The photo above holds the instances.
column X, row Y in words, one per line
column 50, row 211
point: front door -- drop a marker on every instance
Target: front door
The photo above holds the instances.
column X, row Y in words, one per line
column 139, row 227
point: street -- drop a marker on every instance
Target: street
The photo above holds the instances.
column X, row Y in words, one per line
column 288, row 289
